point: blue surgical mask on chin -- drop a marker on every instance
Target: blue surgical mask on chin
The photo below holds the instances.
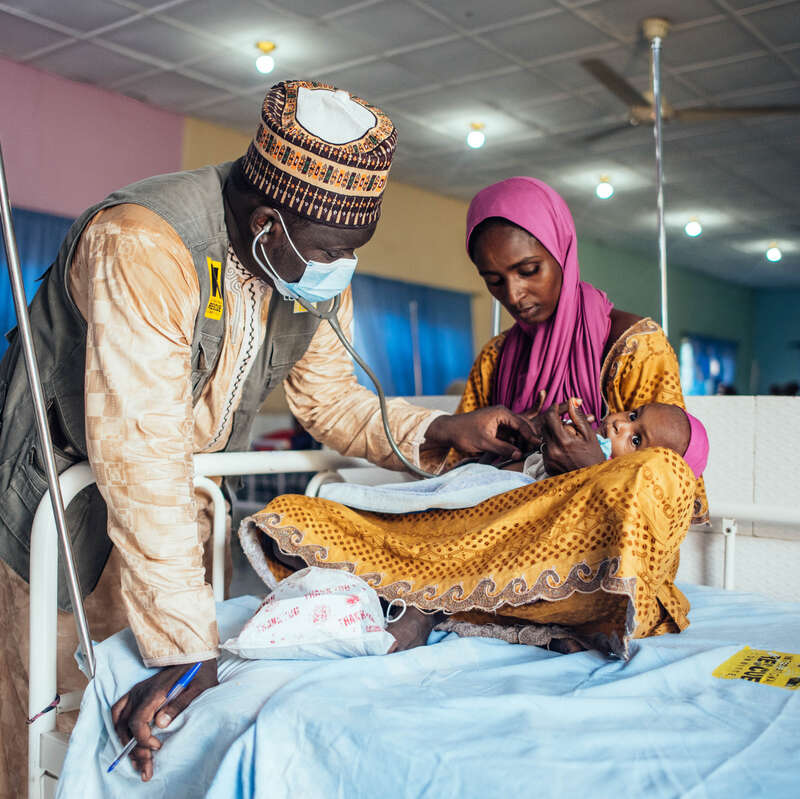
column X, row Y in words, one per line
column 319, row 282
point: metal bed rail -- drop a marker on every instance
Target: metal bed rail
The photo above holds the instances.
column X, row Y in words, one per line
column 47, row 747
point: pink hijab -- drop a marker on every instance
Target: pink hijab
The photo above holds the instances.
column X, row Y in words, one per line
column 562, row 355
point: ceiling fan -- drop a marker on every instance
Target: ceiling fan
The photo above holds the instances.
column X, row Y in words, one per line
column 641, row 109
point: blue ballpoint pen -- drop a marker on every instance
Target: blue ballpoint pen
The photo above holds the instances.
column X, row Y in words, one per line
column 176, row 689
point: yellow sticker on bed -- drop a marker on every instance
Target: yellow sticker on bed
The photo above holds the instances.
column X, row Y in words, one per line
column 766, row 667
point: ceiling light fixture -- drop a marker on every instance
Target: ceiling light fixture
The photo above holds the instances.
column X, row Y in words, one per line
column 476, row 137
column 693, row 228
column 604, row 190
column 265, row 63
column 773, row 253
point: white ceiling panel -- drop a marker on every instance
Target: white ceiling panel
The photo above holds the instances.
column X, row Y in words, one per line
column 170, row 90
column 89, row 63
column 375, row 81
column 81, row 15
column 18, row 37
column 624, row 15
column 317, row 8
column 242, row 22
column 753, row 72
column 778, row 24
column 550, row 36
column 472, row 14
column 165, row 42
column 515, row 89
column 569, row 113
column 723, row 39
column 451, row 60
column 391, row 24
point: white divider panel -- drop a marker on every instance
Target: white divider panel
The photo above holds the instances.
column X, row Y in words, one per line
column 777, row 460
column 730, row 422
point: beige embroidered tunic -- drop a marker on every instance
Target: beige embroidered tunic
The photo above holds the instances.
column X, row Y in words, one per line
column 134, row 282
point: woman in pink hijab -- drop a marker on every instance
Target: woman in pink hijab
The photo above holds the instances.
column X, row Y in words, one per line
column 521, row 237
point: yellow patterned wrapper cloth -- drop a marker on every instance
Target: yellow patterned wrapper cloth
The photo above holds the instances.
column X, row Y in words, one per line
column 595, row 550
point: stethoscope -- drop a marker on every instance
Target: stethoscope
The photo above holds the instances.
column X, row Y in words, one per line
column 330, row 316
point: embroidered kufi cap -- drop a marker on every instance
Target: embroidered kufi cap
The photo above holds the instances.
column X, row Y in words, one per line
column 321, row 153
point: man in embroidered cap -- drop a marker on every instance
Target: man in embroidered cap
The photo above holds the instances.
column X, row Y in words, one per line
column 167, row 289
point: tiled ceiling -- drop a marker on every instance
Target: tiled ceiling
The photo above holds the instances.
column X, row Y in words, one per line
column 436, row 66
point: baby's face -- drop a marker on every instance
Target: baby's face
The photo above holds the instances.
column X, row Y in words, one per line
column 653, row 425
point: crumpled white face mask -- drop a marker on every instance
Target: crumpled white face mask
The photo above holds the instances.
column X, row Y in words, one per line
column 317, row 613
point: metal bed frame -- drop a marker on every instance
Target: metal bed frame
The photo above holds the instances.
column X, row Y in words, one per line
column 47, row 747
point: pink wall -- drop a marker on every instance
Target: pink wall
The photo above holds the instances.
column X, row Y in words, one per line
column 66, row 144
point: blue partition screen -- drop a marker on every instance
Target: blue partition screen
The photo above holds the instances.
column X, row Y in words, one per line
column 38, row 239
column 384, row 334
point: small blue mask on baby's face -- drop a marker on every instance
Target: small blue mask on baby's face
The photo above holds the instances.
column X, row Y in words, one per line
column 605, row 445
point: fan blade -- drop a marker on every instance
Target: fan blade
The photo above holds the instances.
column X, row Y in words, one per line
column 602, row 134
column 713, row 113
column 614, row 82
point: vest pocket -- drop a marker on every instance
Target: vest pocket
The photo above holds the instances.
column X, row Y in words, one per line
column 204, row 359
column 285, row 352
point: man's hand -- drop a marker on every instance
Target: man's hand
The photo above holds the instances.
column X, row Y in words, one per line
column 134, row 712
column 568, row 447
column 495, row 429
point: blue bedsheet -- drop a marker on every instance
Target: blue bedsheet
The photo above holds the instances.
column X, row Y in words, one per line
column 470, row 718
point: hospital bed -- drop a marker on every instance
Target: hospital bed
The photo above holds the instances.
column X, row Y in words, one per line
column 739, row 497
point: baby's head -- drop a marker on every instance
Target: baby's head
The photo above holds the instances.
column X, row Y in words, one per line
column 658, row 425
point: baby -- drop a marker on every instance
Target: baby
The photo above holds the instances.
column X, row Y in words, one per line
column 653, row 425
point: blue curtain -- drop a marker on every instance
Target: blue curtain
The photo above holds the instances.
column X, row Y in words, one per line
column 38, row 239
column 707, row 363
column 383, row 334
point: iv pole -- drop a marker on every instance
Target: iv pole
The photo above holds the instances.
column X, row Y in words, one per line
column 655, row 29
column 40, row 410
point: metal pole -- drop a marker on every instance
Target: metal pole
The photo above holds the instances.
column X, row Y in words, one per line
column 496, row 308
column 662, row 234
column 416, row 359
column 40, row 410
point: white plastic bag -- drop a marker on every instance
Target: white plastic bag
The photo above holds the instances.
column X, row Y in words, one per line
column 315, row 613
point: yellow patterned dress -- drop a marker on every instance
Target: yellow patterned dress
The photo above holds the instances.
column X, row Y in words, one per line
column 592, row 552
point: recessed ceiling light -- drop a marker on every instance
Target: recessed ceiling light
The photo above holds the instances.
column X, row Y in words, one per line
column 693, row 228
column 773, row 253
column 604, row 190
column 265, row 63
column 476, row 137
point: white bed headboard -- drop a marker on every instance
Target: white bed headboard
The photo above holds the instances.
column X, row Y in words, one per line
column 754, row 457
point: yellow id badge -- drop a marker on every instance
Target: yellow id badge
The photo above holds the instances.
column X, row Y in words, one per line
column 766, row 667
column 214, row 307
column 297, row 308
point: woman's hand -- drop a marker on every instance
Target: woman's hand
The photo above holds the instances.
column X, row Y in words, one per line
column 534, row 413
column 568, row 447
column 495, row 429
column 136, row 711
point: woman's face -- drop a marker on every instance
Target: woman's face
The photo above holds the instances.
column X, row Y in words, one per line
column 518, row 271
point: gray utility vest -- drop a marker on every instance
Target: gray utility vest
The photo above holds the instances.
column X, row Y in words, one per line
column 191, row 202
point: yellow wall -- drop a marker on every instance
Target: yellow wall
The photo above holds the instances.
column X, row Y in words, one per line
column 205, row 143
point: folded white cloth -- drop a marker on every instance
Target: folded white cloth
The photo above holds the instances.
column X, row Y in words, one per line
column 462, row 487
